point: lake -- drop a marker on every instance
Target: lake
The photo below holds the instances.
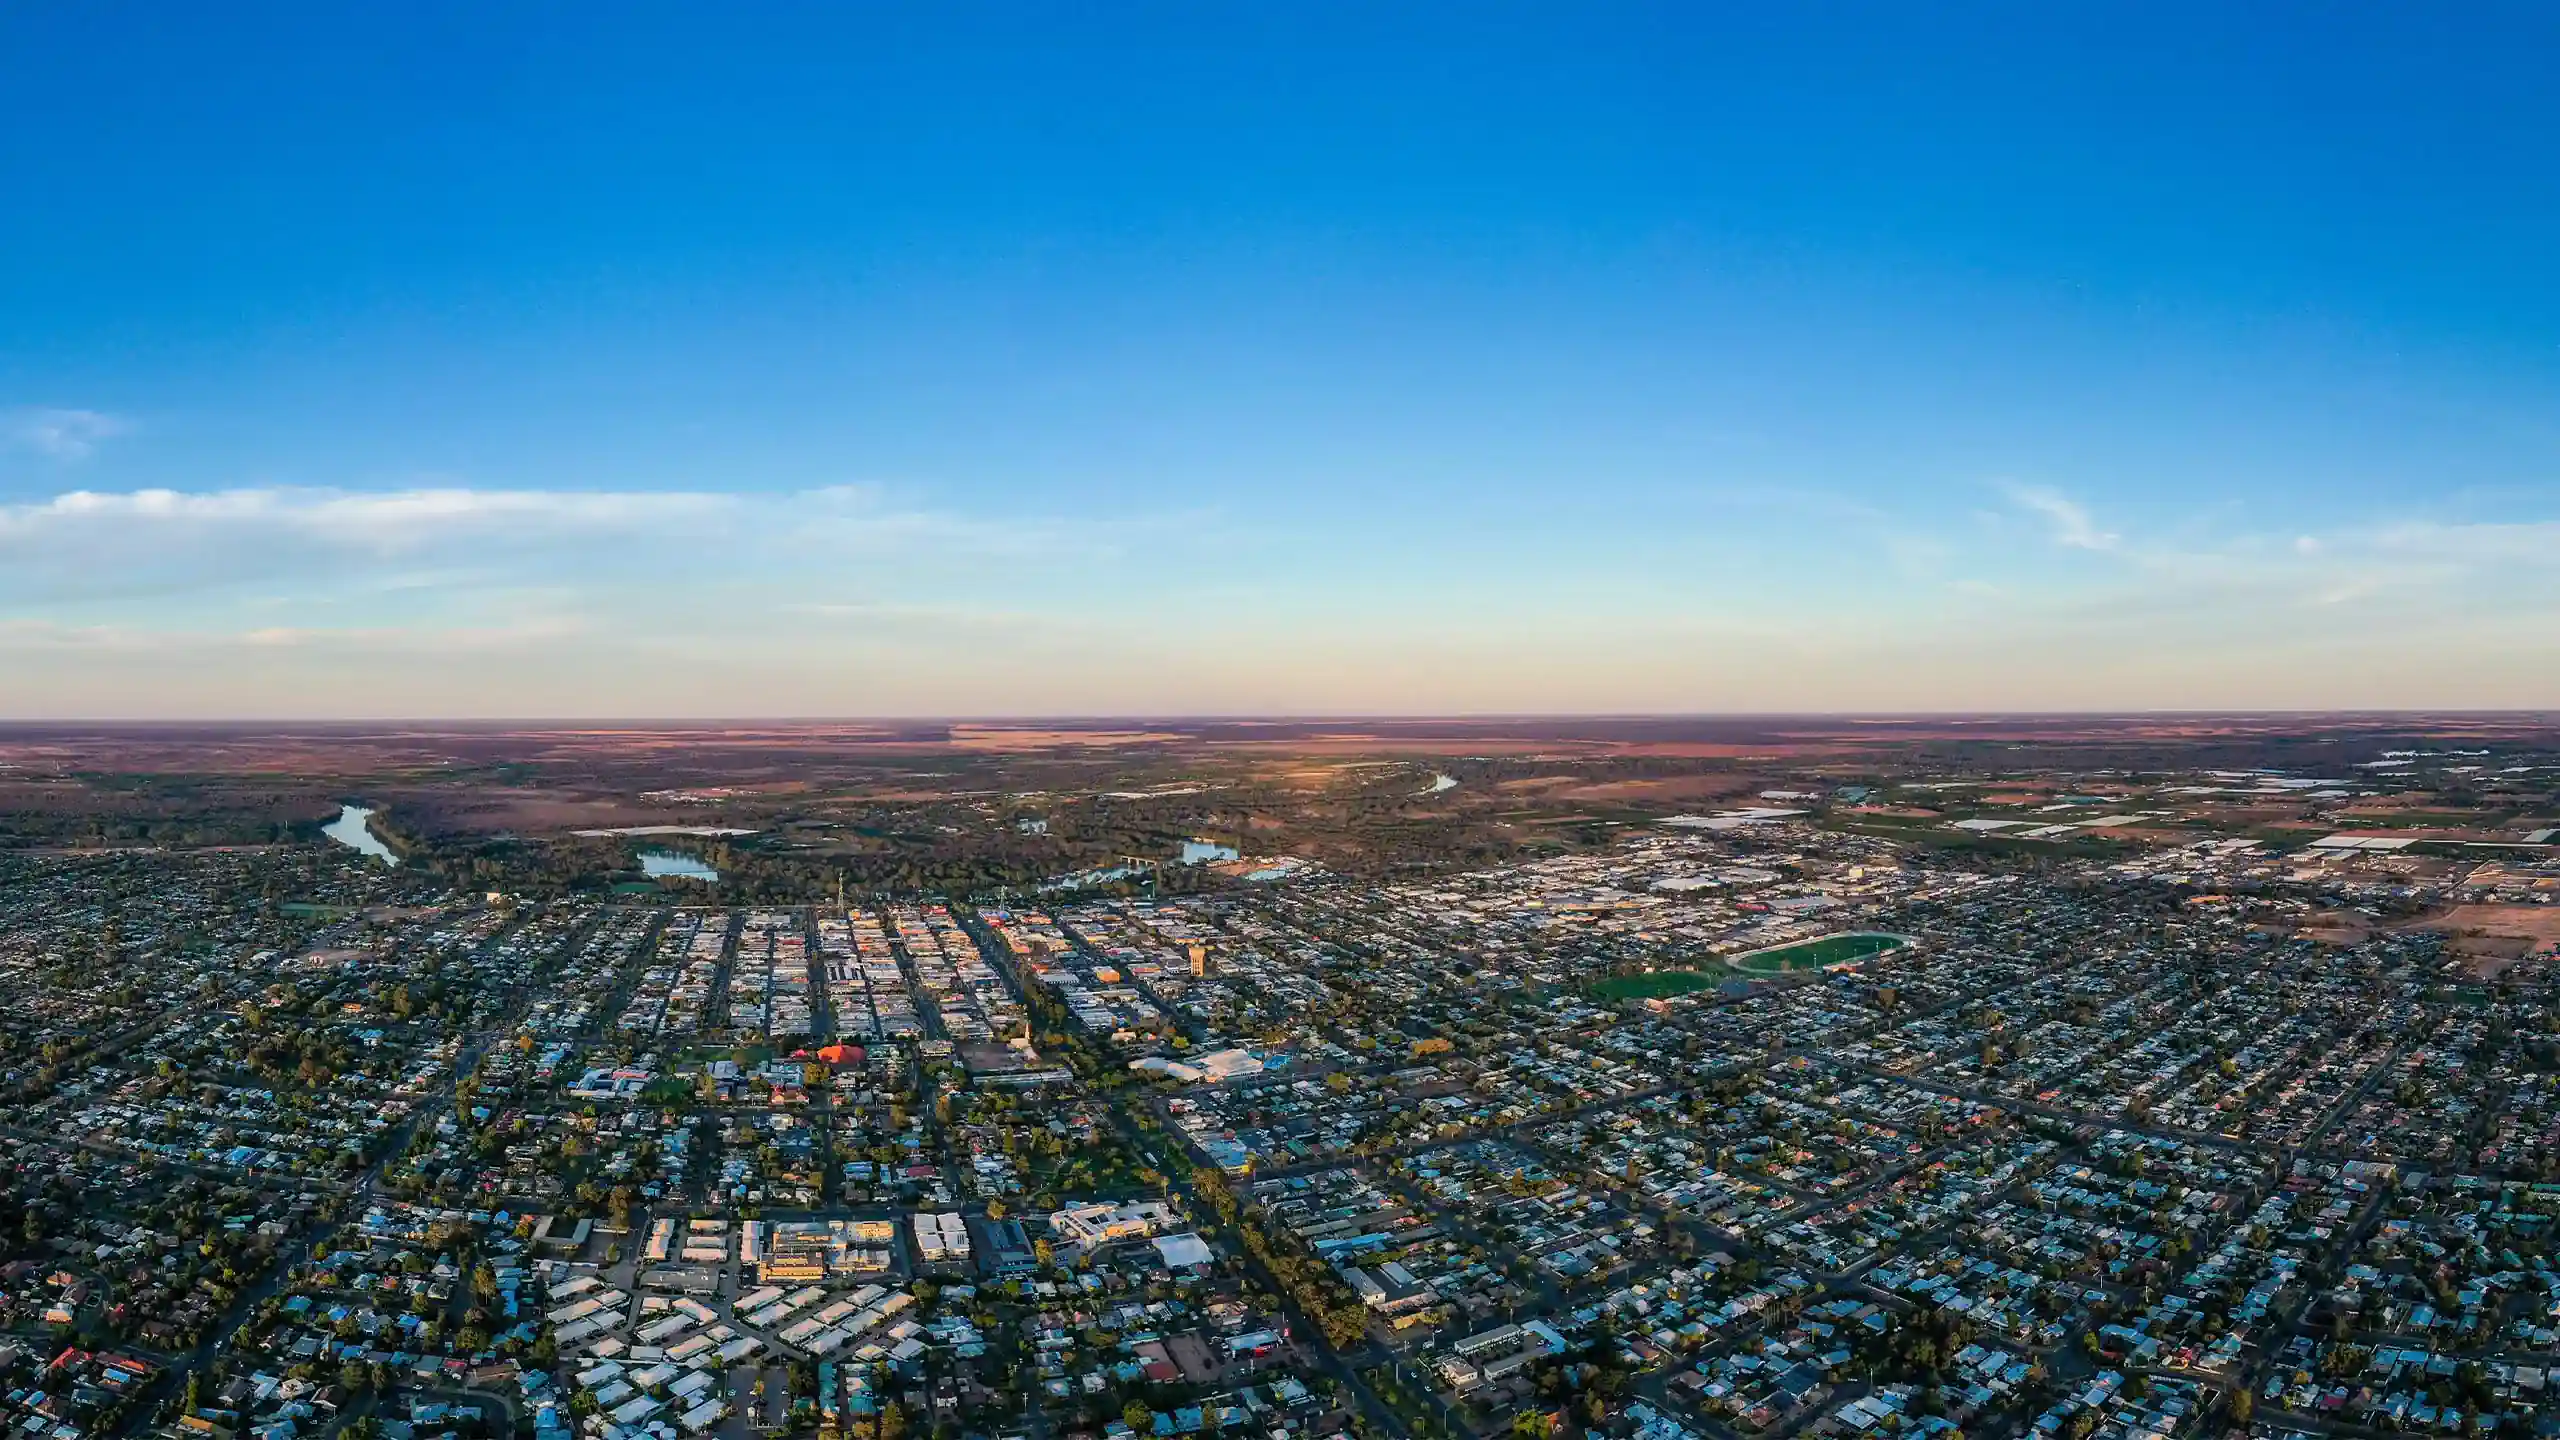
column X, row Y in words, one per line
column 350, row 830
column 666, row 865
column 1201, row 852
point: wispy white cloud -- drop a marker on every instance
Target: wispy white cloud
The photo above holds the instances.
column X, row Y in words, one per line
column 456, row 599
column 397, row 519
column 2533, row 542
column 89, row 544
column 60, row 433
column 2069, row 521
column 530, row 631
column 384, row 522
column 2213, row 568
column 343, row 642
column 25, row 633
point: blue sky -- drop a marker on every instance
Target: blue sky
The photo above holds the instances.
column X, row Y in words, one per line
column 1197, row 358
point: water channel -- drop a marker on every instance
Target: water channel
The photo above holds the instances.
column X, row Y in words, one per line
column 667, row 865
column 350, row 830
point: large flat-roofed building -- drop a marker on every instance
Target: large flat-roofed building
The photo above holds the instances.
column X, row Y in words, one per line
column 1089, row 1226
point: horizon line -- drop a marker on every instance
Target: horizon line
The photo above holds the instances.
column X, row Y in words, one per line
column 1294, row 718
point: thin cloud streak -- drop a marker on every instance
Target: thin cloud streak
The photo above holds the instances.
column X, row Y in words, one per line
column 61, row 434
column 2071, row 523
column 846, row 600
column 88, row 545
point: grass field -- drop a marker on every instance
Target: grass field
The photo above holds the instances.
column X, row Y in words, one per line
column 1653, row 986
column 1816, row 954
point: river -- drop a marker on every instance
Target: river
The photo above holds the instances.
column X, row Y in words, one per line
column 350, row 830
column 666, row 865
